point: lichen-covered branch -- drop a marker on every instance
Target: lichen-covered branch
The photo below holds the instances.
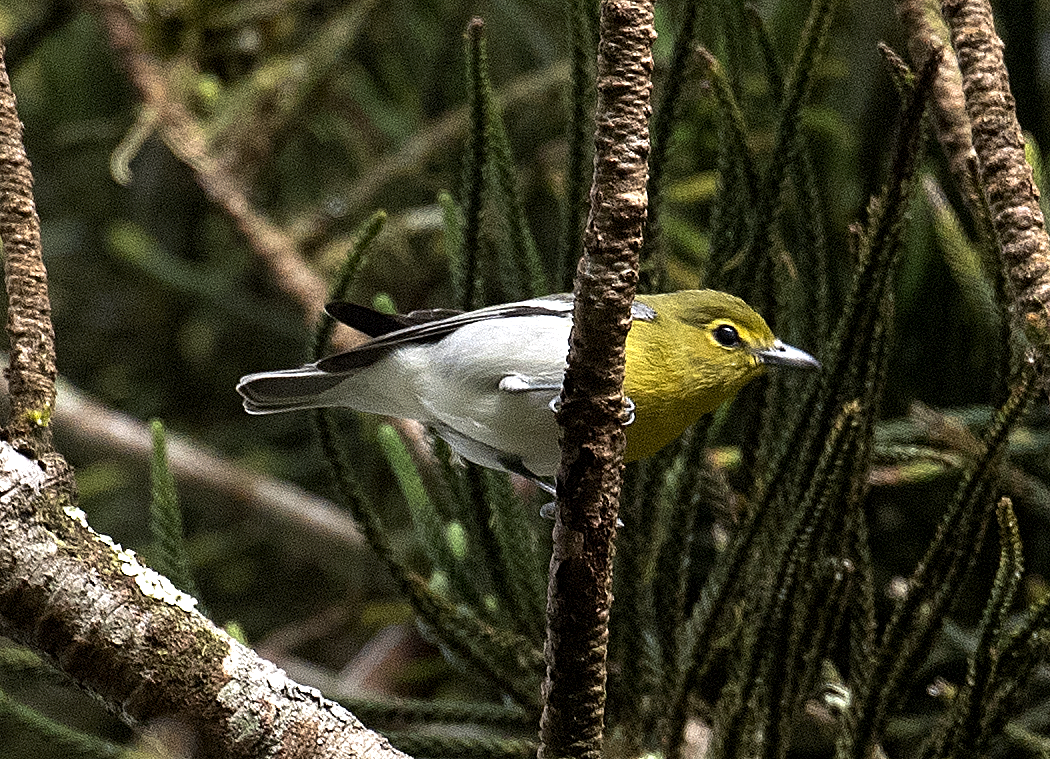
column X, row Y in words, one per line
column 129, row 636
column 1005, row 176
column 32, row 372
column 592, row 407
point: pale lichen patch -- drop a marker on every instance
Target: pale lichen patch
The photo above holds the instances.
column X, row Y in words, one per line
column 76, row 514
column 151, row 582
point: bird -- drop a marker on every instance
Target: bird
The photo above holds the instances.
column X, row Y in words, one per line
column 488, row 381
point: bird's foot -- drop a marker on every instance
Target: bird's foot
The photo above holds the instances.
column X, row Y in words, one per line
column 628, row 410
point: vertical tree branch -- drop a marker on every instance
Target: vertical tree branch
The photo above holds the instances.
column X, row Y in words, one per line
column 927, row 36
column 31, row 375
column 592, row 408
column 1005, row 176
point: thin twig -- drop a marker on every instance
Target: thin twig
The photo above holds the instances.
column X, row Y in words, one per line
column 186, row 138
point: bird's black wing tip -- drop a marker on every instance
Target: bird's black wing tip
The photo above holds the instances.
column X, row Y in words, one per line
column 364, row 319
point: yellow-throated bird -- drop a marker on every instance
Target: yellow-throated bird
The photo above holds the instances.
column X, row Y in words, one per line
column 486, row 381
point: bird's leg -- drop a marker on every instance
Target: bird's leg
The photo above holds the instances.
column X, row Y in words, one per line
column 547, row 510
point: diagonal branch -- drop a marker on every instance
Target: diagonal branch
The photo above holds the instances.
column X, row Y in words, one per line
column 84, row 421
column 186, row 139
column 127, row 635
column 32, row 373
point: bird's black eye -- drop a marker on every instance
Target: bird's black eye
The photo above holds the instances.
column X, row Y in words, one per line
column 726, row 335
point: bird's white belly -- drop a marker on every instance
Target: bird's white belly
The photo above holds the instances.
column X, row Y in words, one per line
column 459, row 387
column 453, row 385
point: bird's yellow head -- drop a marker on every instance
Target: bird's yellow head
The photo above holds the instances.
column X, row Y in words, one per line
column 698, row 349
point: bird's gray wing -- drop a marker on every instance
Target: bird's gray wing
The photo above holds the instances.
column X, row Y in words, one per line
column 424, row 326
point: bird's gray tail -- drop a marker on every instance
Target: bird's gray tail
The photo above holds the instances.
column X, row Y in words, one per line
column 288, row 390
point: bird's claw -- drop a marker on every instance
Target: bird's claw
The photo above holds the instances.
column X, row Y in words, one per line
column 628, row 410
column 548, row 510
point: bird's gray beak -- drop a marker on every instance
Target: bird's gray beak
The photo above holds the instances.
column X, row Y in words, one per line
column 784, row 355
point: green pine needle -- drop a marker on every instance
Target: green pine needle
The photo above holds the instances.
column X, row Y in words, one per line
column 16, row 717
column 165, row 517
column 363, row 238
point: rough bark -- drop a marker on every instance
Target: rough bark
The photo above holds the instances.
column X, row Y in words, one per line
column 127, row 635
column 1005, row 176
column 32, row 372
column 592, row 410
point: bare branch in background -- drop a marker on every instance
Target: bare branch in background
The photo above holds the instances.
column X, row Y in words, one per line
column 113, row 433
column 184, row 135
column 275, row 247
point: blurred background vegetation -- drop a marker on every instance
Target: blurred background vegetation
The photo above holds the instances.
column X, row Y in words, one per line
column 328, row 111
